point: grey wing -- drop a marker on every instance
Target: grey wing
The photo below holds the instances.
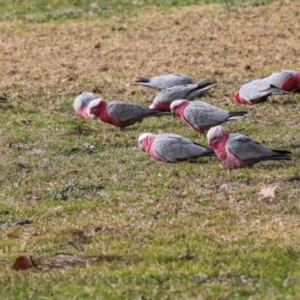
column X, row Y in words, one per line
column 258, row 88
column 203, row 114
column 126, row 111
column 243, row 147
column 278, row 78
column 83, row 100
column 165, row 81
column 175, row 93
column 178, row 79
column 174, row 147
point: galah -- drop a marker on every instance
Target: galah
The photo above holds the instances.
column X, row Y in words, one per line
column 239, row 150
column 169, row 147
column 118, row 113
column 201, row 116
column 256, row 91
column 164, row 81
column 187, row 91
column 287, row 80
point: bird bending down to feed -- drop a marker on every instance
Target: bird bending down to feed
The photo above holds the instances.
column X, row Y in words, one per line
column 169, row 147
column 256, row 91
column 201, row 116
column 187, row 91
column 118, row 113
column 238, row 150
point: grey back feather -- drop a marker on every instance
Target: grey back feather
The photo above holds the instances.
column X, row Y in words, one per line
column 164, row 81
column 204, row 115
column 245, row 148
column 174, row 147
column 278, row 78
column 186, row 91
column 83, row 100
column 257, row 89
column 125, row 111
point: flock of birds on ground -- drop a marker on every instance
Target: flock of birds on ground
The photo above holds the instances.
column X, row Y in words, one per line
column 176, row 94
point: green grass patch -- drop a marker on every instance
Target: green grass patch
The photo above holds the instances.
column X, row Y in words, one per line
column 44, row 11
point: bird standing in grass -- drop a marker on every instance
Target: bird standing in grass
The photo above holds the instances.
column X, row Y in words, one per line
column 169, row 147
column 118, row 113
column 187, row 91
column 201, row 116
column 238, row 150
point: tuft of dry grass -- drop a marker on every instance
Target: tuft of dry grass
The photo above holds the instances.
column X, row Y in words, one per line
column 195, row 229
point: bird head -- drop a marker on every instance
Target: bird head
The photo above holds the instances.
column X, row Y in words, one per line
column 141, row 139
column 92, row 107
column 215, row 133
column 176, row 104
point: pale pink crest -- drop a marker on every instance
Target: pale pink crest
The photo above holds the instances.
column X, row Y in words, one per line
column 176, row 104
column 215, row 132
column 142, row 137
column 93, row 104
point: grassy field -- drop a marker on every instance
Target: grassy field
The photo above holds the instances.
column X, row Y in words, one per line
column 135, row 228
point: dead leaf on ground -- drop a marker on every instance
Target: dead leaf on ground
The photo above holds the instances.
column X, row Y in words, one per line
column 23, row 262
column 268, row 192
column 186, row 256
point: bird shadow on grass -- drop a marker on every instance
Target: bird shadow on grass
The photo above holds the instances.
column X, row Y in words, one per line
column 75, row 191
column 80, row 130
column 272, row 167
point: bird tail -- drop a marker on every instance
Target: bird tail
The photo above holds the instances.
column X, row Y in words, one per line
column 206, row 82
column 157, row 112
column 281, row 155
column 142, row 80
column 209, row 151
column 3, row 99
column 235, row 115
column 161, row 112
column 277, row 91
column 206, row 87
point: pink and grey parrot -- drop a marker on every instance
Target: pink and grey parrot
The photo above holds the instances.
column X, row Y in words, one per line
column 201, row 116
column 164, row 81
column 256, row 91
column 118, row 113
column 239, row 150
column 187, row 91
column 287, row 80
column 168, row 147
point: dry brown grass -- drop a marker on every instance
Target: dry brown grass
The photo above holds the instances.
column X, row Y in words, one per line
column 105, row 55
